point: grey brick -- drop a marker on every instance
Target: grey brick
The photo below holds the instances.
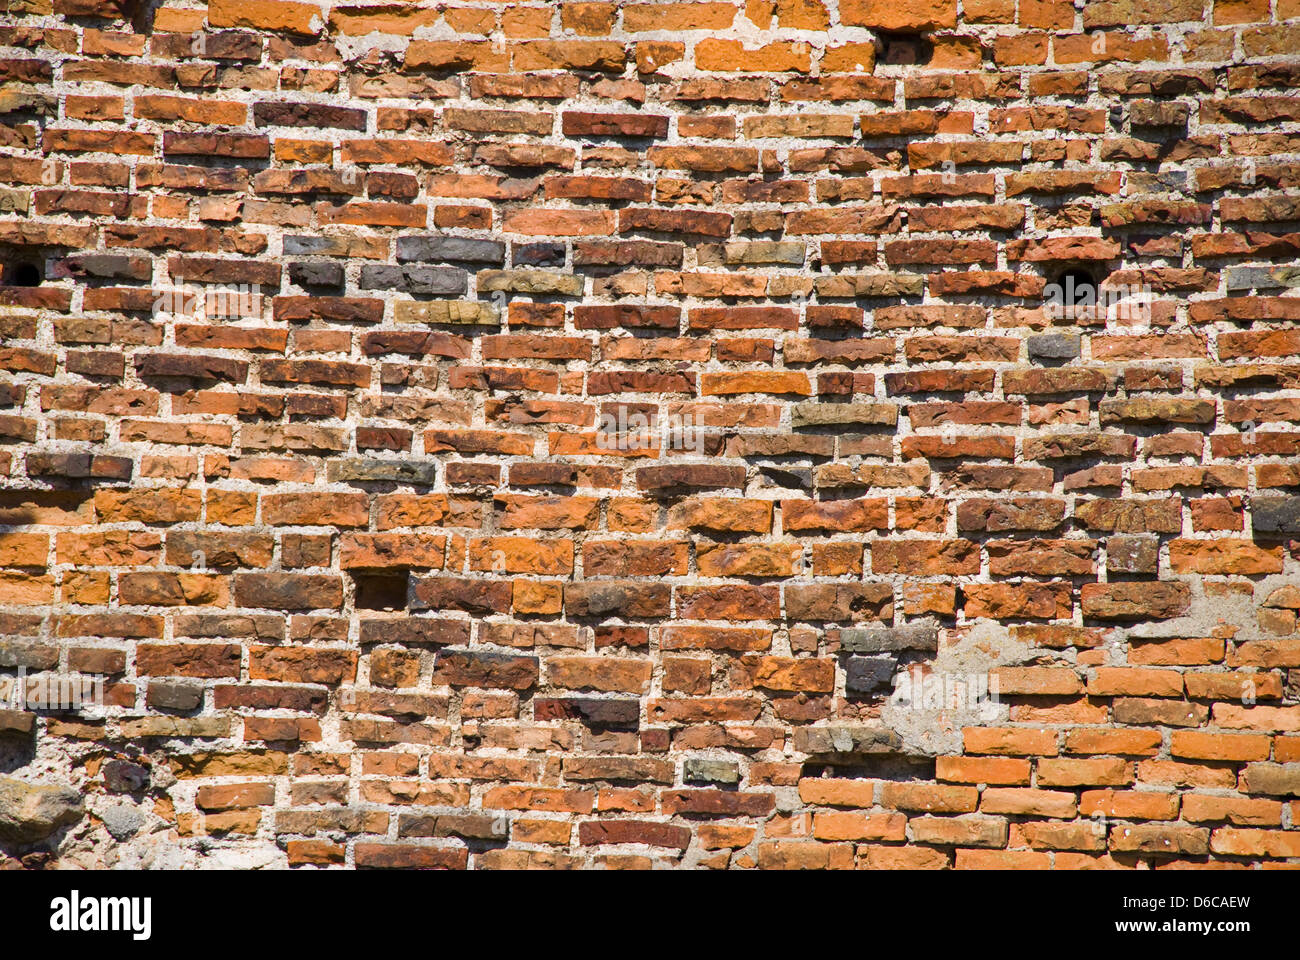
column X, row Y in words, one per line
column 421, row 279
column 450, row 249
column 1054, row 346
column 1276, row 514
column 305, row 246
column 316, row 274
column 174, row 696
column 393, row 471
column 1262, row 278
column 911, row 636
column 869, row 675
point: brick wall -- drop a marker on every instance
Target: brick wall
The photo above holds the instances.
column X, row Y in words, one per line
column 633, row 433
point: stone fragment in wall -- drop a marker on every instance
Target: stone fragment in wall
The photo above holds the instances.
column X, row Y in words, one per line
column 30, row 812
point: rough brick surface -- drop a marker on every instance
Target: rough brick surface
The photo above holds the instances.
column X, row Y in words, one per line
column 623, row 434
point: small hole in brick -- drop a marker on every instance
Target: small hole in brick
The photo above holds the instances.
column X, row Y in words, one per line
column 883, row 767
column 1073, row 287
column 22, row 273
column 380, row 591
column 903, row 49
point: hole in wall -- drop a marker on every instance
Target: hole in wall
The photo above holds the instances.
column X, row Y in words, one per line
column 903, row 49
column 1073, row 287
column 884, row 767
column 22, row 273
column 380, row 591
